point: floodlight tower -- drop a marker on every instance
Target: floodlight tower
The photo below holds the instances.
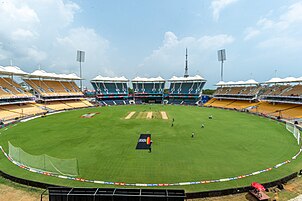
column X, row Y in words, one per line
column 186, row 65
column 222, row 58
column 80, row 59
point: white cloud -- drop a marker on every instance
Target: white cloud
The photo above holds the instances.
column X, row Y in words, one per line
column 214, row 42
column 218, row 5
column 67, row 10
column 32, row 23
column 251, row 33
column 281, row 31
column 169, row 57
column 265, row 23
column 15, row 10
column 84, row 39
column 3, row 54
column 22, row 34
column 41, row 32
column 15, row 16
column 35, row 54
column 170, row 39
column 281, row 42
column 291, row 17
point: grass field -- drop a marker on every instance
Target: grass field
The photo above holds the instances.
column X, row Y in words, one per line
column 231, row 144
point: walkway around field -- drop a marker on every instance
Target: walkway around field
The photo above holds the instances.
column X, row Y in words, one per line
column 20, row 193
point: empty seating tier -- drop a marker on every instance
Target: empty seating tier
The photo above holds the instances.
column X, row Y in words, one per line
column 185, row 88
column 66, row 105
column 10, row 89
column 234, row 90
column 47, row 88
column 293, row 91
column 148, row 88
column 240, row 104
column 110, row 88
column 9, row 112
column 271, row 108
column 221, row 103
column 231, row 104
column 275, row 90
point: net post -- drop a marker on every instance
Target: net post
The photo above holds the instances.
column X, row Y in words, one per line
column 19, row 155
column 78, row 170
column 44, row 157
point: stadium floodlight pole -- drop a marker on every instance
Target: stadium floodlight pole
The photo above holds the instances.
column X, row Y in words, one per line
column 222, row 58
column 81, row 58
column 221, row 71
column 81, row 81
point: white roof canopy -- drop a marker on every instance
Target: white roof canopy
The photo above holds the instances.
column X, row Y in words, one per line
column 43, row 74
column 251, row 82
column 248, row 82
column 191, row 78
column 11, row 70
column 151, row 79
column 284, row 80
column 112, row 79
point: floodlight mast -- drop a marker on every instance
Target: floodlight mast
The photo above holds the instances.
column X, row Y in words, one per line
column 81, row 58
column 222, row 58
column 221, row 71
column 81, row 81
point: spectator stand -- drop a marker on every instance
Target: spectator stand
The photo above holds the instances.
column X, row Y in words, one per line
column 55, row 92
column 241, row 95
column 286, row 90
column 148, row 90
column 241, row 90
column 111, row 90
column 276, row 98
column 185, row 90
column 15, row 101
column 10, row 90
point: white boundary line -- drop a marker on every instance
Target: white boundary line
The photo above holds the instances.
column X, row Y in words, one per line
column 139, row 184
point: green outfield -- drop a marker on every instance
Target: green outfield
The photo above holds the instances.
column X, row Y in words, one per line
column 231, row 144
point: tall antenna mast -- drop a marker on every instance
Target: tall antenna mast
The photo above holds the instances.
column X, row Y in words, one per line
column 186, row 66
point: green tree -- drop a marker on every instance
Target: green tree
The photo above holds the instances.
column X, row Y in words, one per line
column 208, row 91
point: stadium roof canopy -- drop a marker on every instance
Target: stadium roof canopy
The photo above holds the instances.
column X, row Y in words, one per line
column 151, row 79
column 11, row 70
column 110, row 79
column 190, row 78
column 284, row 80
column 43, row 74
column 230, row 83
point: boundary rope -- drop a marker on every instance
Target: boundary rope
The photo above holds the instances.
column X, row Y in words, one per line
column 139, row 184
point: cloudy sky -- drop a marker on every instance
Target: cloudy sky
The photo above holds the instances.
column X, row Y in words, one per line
column 148, row 38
